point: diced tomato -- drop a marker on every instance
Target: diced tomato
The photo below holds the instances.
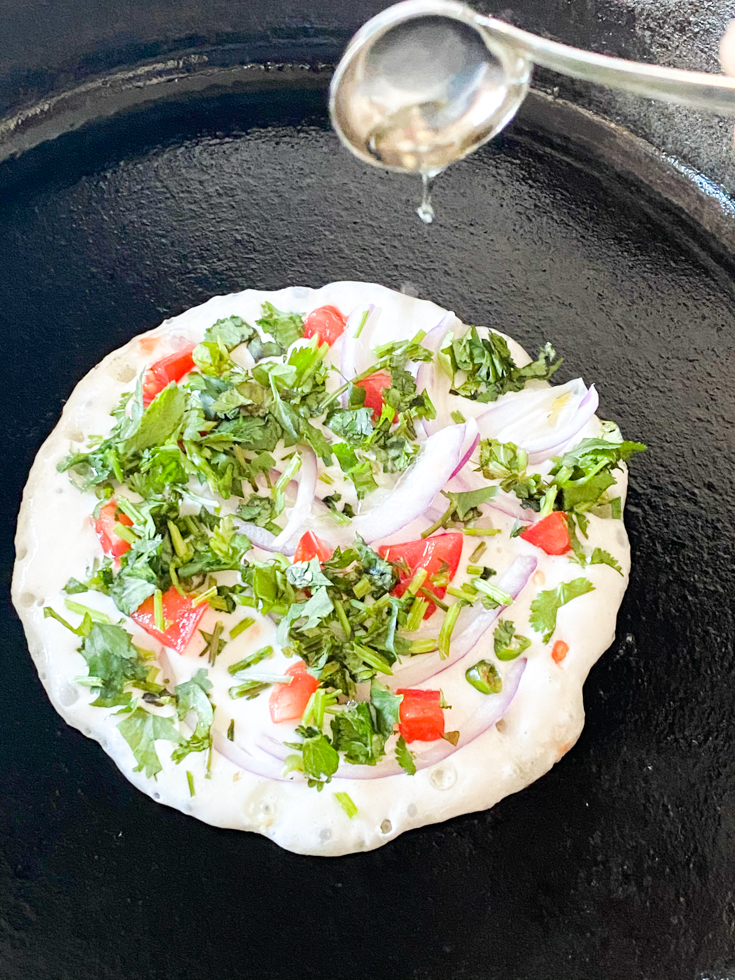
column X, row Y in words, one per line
column 168, row 369
column 326, row 321
column 559, row 651
column 288, row 701
column 112, row 544
column 310, row 546
column 441, row 551
column 179, row 612
column 373, row 387
column 551, row 534
column 422, row 718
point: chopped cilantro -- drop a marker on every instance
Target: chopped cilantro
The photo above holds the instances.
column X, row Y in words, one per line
column 547, row 604
column 601, row 557
column 320, row 759
column 192, row 697
column 284, row 328
column 114, row 662
column 404, row 757
column 347, row 804
column 489, row 368
column 141, row 730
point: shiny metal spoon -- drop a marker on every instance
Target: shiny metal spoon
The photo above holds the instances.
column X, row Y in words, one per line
column 428, row 81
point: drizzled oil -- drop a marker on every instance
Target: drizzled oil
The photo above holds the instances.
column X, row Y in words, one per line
column 425, row 210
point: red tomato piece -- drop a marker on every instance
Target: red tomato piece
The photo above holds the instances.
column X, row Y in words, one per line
column 373, row 387
column 430, row 553
column 112, row 544
column 179, row 612
column 288, row 701
column 551, row 534
column 326, row 321
column 310, row 546
column 168, row 369
column 559, row 651
column 421, row 714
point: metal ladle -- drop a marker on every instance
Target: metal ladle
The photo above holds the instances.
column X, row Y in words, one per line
column 428, row 81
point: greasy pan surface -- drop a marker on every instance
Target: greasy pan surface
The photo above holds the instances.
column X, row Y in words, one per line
column 620, row 863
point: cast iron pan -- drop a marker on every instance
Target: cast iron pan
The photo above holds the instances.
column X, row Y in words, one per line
column 618, row 865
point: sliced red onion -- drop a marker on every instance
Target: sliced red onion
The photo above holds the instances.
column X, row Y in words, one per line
column 545, row 446
column 485, row 717
column 417, row 487
column 426, row 377
column 425, row 667
column 304, row 498
column 512, row 408
column 262, row 538
column 260, row 765
column 354, row 346
column 471, row 439
column 527, row 411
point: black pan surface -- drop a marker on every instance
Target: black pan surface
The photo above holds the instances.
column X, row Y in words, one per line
column 618, row 865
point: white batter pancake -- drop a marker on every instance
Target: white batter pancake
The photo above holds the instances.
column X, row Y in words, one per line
column 55, row 541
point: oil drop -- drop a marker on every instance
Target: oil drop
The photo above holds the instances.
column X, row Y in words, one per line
column 425, row 210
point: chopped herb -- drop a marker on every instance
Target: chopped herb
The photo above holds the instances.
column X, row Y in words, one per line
column 320, row 759
column 490, row 369
column 547, row 604
column 445, row 633
column 346, row 803
column 141, row 730
column 404, row 757
column 192, row 698
column 190, row 781
column 231, row 730
column 240, row 627
column 248, row 690
column 215, row 643
column 251, row 660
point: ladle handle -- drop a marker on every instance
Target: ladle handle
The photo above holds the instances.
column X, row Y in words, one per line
column 697, row 89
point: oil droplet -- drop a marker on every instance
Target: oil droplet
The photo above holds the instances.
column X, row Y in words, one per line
column 425, row 210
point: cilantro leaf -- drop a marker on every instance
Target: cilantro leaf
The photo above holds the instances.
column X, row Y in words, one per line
column 601, row 557
column 354, row 734
column 319, row 757
column 380, row 572
column 258, row 510
column 359, row 471
column 128, row 592
column 353, row 425
column 307, row 574
column 141, row 729
column 231, row 332
column 314, row 610
column 193, row 696
column 113, row 660
column 547, row 604
column 159, row 422
column 387, row 707
column 284, row 328
column 404, row 757
column 212, row 358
